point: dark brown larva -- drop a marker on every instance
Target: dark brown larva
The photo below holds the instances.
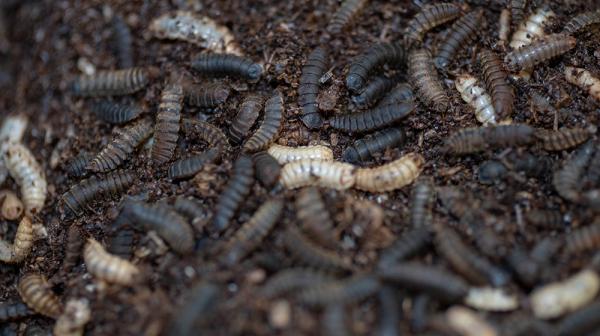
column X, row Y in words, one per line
column 189, row 207
column 562, row 139
column 584, row 239
column 365, row 148
column 96, row 188
column 14, row 311
column 270, row 127
column 567, row 180
column 115, row 113
column 35, row 291
column 205, row 95
column 496, row 83
column 308, row 90
column 76, row 166
column 188, row 167
column 461, row 34
column 501, row 136
column 422, row 200
column 374, row 90
column 315, row 217
column 425, row 78
column 121, row 244
column 405, row 246
column 251, row 234
column 537, row 52
column 373, row 119
column 348, row 10
column 347, row 291
column 246, row 117
column 437, row 283
column 547, row 219
column 207, row 132
column 292, row 279
column 73, row 248
column 111, row 82
column 428, row 18
column 122, row 40
column 593, row 171
column 393, row 54
column 267, row 169
column 312, row 255
column 120, row 148
column 517, row 11
column 401, row 93
column 166, row 130
column 473, row 140
column 235, row 192
column 584, row 321
column 582, row 21
column 227, row 65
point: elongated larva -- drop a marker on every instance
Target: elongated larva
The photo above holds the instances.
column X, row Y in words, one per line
column 121, row 147
column 35, row 291
column 315, row 217
column 21, row 247
column 14, row 311
column 364, row 149
column 581, row 21
column 475, row 95
column 348, row 10
column 461, row 34
column 496, row 83
column 399, row 94
column 205, row 95
column 422, row 200
column 393, row 54
column 517, row 10
column 335, row 320
column 562, row 139
column 207, row 132
column 107, row 267
column 29, row 175
column 250, row 234
column 374, row 90
column 123, row 42
column 527, row 57
column 567, row 180
column 220, row 65
column 376, row 118
column 390, row 312
column 111, row 82
column 327, row 174
column 437, row 283
column 473, row 140
column 532, row 28
column 114, row 112
column 504, row 27
column 121, row 244
column 390, row 176
column 425, row 78
column 246, row 117
column 73, row 247
column 188, row 167
column 549, row 219
column 292, row 279
column 428, row 18
column 583, row 239
column 189, row 207
column 347, row 291
column 582, row 322
column 12, row 207
column 308, row 89
column 270, row 127
column 13, row 128
column 584, row 79
column 267, row 169
column 593, row 170
column 73, row 320
column 76, row 166
column 405, row 247
column 312, row 255
column 166, row 130
column 200, row 305
column 235, row 192
column 96, row 188
column 285, row 154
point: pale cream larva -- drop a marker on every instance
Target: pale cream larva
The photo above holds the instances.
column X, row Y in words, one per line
column 29, row 175
column 108, row 267
column 390, row 176
column 585, row 80
column 504, row 27
column 22, row 244
column 327, row 174
column 12, row 130
column 532, row 28
column 73, row 319
column 473, row 94
column 12, row 207
column 285, row 154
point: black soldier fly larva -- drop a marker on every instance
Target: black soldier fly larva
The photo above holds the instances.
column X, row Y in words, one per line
column 28, row 174
column 121, row 243
column 22, row 244
column 374, row 90
column 248, row 112
column 108, row 267
column 348, row 10
column 349, row 290
column 428, row 18
column 73, row 247
column 292, row 279
column 503, row 27
column 424, row 75
column 221, row 65
column 270, row 127
column 517, row 10
column 462, row 32
column 406, row 246
column 189, row 207
column 584, row 321
column 308, row 88
column 335, row 320
column 473, row 140
column 206, row 132
column 582, row 21
column 14, row 311
column 205, row 95
column 584, row 79
column 373, row 119
column 390, row 305
column 549, row 219
column 199, row 305
column 422, row 200
column 527, row 57
column 96, row 188
column 35, row 291
column 114, row 112
column 400, row 93
column 532, row 28
column 314, row 217
column 364, row 149
column 267, row 169
column 393, row 54
column 75, row 167
column 12, row 207
column 188, row 167
column 112, row 82
column 166, row 130
column 72, row 321
column 123, row 42
column 237, row 189
column 584, row 239
column 567, row 179
column 285, row 154
column 327, row 174
column 390, row 176
column 477, row 97
column 311, row 254
column 562, row 139
column 496, row 83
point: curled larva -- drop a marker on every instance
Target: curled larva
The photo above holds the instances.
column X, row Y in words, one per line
column 199, row 30
column 400, row 93
column 285, row 154
column 123, row 42
column 22, row 244
column 585, row 321
column 76, row 166
column 504, row 27
column 220, row 65
column 461, row 34
column 373, row 119
column 428, row 18
column 372, row 144
column 311, row 254
column 581, row 21
column 562, row 139
column 121, row 147
column 390, row 176
column 567, row 180
column 14, row 311
column 35, row 291
column 188, row 167
column 205, row 95
column 95, row 188
column 517, row 10
column 327, row 174
column 114, row 112
column 108, row 267
column 73, row 246
column 270, row 127
column 347, row 291
column 166, row 130
column 422, row 200
column 374, row 90
column 348, row 10
column 246, row 117
column 292, row 279
column 112, row 82
column 423, row 74
column 267, row 169
column 584, row 79
column 583, row 239
column 314, row 217
column 207, row 132
column 406, row 246
column 74, row 318
column 393, row 54
column 12, row 207
column 28, row 174
column 529, row 56
column 496, row 83
column 532, row 28
column 308, row 88
column 475, row 95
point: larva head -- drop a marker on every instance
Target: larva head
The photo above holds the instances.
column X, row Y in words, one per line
column 255, row 71
column 511, row 63
column 351, row 155
column 354, row 82
column 312, row 120
column 440, row 62
column 12, row 207
column 464, row 82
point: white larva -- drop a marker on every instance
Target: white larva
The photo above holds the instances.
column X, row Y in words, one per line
column 504, row 27
column 491, row 299
column 327, row 174
column 473, row 94
column 285, row 154
column 108, row 267
column 584, row 79
column 73, row 319
column 466, row 322
column 390, row 176
column 532, row 28
column 29, row 175
column 12, row 130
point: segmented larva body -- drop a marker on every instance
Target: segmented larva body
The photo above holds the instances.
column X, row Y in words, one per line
column 473, row 140
column 567, row 180
column 14, row 311
column 188, row 167
column 437, row 283
column 327, row 174
column 248, row 237
column 364, row 149
column 28, row 174
column 73, row 246
column 121, row 147
column 584, row 79
column 166, row 130
column 593, row 170
column 532, row 28
column 314, row 217
column 22, row 244
column 13, row 128
column 95, row 188
column 205, row 95
column 207, row 132
column 73, row 320
column 285, row 154
column 121, row 244
column 292, row 279
column 399, row 94
column 461, row 34
column 393, row 54
column 270, row 127
column 311, row 254
column 114, row 112
column 425, row 78
column 76, row 166
column 539, row 51
column 428, row 18
column 246, row 117
column 12, row 207
column 504, row 27
column 406, row 246
column 584, row 321
column 308, row 89
column 374, row 90
column 123, row 42
column 373, row 119
column 108, row 267
column 562, row 139
column 422, row 200
column 220, row 65
column 347, row 291
column 348, row 10
column 35, row 291
column 549, row 219
column 584, row 239
column 475, row 95
column 582, row 21
column 267, row 169
column 189, row 207
column 237, row 189
column 390, row 311
column 111, row 82
column 390, row 176
column 517, row 10
column 496, row 83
